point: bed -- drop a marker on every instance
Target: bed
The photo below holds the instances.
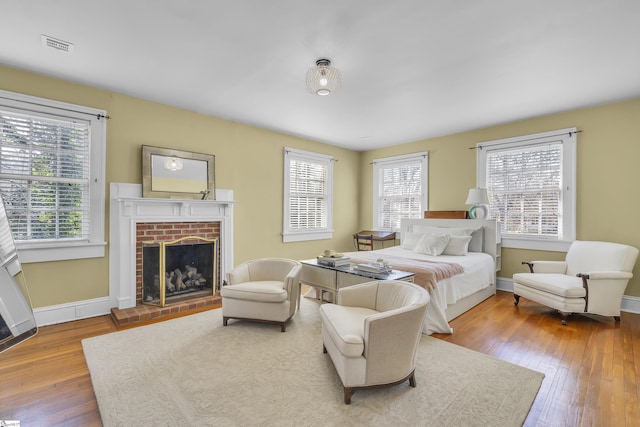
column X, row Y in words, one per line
column 456, row 283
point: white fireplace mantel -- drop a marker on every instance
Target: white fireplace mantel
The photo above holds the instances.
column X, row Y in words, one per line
column 128, row 207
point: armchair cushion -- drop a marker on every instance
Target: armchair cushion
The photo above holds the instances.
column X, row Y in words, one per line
column 345, row 325
column 262, row 291
column 557, row 284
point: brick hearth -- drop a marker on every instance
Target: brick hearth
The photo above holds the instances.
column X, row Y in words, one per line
column 145, row 313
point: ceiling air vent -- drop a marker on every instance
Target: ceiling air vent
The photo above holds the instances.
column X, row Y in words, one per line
column 57, row 44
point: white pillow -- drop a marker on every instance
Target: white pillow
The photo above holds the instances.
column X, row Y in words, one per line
column 409, row 240
column 476, row 233
column 452, row 231
column 458, row 245
column 431, row 244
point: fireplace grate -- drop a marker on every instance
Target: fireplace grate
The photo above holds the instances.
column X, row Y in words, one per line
column 179, row 270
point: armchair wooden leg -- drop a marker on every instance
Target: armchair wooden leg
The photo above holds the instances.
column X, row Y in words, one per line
column 324, row 349
column 516, row 298
column 283, row 327
column 616, row 318
column 564, row 317
column 224, row 321
column 348, row 392
column 412, row 379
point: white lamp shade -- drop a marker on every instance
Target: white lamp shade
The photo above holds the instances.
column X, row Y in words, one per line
column 479, row 199
column 477, row 196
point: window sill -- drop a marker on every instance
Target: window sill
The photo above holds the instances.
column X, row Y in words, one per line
column 540, row 245
column 300, row 237
column 29, row 253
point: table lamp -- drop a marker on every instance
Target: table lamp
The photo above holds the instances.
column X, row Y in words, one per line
column 479, row 199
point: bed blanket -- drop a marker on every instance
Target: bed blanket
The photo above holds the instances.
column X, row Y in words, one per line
column 427, row 273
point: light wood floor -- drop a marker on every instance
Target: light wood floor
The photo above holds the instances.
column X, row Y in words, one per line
column 592, row 366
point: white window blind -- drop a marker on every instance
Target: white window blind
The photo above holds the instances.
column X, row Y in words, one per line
column 52, row 177
column 400, row 189
column 44, row 177
column 531, row 186
column 308, row 195
column 7, row 248
column 525, row 189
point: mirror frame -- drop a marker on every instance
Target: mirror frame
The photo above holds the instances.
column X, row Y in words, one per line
column 148, row 176
column 16, row 310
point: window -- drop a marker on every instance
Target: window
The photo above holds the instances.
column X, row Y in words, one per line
column 308, row 196
column 399, row 189
column 531, row 185
column 52, row 177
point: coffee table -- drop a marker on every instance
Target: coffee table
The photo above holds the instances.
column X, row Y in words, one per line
column 330, row 279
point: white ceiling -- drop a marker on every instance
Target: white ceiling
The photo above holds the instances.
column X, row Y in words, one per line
column 412, row 69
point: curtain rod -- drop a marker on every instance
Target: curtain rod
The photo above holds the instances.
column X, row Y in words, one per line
column 98, row 116
column 539, row 137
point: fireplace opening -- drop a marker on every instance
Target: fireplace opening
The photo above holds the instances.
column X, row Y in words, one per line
column 179, row 270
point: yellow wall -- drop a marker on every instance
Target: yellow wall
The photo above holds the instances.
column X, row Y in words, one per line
column 249, row 160
column 607, row 176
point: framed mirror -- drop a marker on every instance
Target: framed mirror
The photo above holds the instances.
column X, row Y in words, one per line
column 17, row 321
column 168, row 173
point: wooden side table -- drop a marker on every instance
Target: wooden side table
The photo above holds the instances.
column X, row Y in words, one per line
column 364, row 239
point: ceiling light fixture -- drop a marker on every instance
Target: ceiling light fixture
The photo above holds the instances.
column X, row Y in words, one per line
column 323, row 79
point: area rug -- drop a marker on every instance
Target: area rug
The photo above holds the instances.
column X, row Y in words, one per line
column 192, row 371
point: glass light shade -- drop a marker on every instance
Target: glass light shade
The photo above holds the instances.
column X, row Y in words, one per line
column 323, row 79
column 173, row 164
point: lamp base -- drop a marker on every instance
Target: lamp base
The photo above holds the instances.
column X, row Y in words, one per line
column 478, row 212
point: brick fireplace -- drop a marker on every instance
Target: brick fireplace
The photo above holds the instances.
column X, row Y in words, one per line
column 153, row 233
column 135, row 219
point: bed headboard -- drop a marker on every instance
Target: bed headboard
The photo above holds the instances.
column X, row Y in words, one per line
column 491, row 243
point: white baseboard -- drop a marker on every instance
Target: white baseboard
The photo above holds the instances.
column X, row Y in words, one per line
column 630, row 304
column 504, row 284
column 76, row 310
column 99, row 306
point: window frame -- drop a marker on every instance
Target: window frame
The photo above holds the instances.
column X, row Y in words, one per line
column 379, row 164
column 289, row 235
column 568, row 141
column 64, row 249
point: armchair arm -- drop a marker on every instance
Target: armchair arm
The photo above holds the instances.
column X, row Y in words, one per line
column 292, row 279
column 604, row 291
column 240, row 274
column 394, row 334
column 606, row 275
column 558, row 267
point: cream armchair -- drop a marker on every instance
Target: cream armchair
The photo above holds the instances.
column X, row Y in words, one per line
column 372, row 333
column 592, row 279
column 262, row 290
